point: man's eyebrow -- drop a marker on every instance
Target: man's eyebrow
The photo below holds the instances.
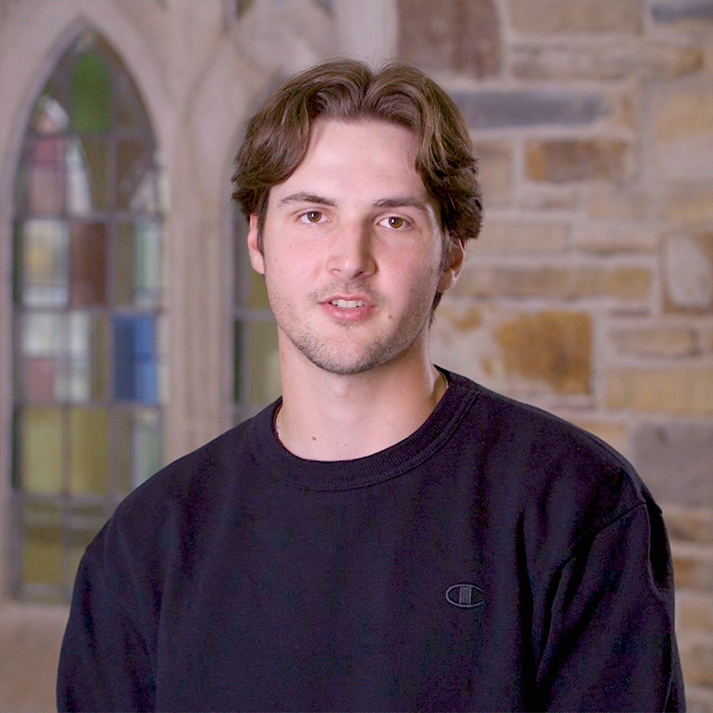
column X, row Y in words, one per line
column 398, row 202
column 304, row 197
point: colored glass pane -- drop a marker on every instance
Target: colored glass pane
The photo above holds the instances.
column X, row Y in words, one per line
column 88, row 450
column 138, row 438
column 16, row 449
column 49, row 116
column 258, row 292
column 88, row 357
column 45, row 266
column 237, row 361
column 41, row 378
column 138, row 260
column 91, row 94
column 83, row 522
column 147, row 261
column 87, row 178
column 87, row 252
column 42, row 555
column 44, row 334
column 264, row 362
column 44, row 349
column 124, row 264
column 146, row 446
column 46, row 176
column 163, row 350
column 130, row 112
column 249, row 285
column 162, row 186
column 123, row 456
column 135, row 367
column 41, row 453
column 136, row 176
column 17, row 257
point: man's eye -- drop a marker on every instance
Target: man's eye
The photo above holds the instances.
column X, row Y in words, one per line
column 395, row 222
column 313, row 216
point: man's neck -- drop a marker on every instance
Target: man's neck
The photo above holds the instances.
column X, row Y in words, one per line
column 329, row 417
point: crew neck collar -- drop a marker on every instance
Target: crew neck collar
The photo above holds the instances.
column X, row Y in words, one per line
column 369, row 470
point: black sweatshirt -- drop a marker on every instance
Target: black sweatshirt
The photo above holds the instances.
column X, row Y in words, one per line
column 496, row 559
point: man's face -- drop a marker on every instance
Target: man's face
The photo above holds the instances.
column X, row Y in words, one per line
column 352, row 249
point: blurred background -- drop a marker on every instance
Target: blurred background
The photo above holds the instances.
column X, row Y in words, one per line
column 132, row 329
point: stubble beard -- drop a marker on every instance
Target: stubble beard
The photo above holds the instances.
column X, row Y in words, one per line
column 332, row 354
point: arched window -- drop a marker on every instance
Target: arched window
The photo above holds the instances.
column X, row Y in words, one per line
column 256, row 376
column 89, row 365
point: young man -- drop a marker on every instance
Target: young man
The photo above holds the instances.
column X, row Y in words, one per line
column 387, row 536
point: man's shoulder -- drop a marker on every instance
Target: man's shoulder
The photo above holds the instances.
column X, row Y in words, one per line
column 547, row 481
column 498, row 418
column 548, row 464
column 180, row 496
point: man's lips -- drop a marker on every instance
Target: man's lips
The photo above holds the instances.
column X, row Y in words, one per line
column 352, row 307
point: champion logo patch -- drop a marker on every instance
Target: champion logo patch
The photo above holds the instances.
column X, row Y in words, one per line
column 465, row 596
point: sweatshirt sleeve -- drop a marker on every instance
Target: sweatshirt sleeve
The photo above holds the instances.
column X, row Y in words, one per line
column 610, row 643
column 105, row 663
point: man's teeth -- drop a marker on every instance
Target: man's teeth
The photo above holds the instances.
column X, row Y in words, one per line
column 348, row 304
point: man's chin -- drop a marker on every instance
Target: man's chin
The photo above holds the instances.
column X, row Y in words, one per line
column 349, row 363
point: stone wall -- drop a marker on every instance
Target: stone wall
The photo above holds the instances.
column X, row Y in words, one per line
column 590, row 291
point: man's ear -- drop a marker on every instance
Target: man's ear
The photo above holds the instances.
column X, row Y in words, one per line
column 454, row 265
column 257, row 260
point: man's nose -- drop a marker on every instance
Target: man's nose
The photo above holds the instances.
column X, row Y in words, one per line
column 351, row 252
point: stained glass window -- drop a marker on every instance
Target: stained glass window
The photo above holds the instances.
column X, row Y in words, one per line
column 89, row 360
column 256, row 376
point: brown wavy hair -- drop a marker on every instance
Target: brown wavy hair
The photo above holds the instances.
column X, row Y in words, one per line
column 277, row 136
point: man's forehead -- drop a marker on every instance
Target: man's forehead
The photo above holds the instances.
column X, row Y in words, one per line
column 340, row 148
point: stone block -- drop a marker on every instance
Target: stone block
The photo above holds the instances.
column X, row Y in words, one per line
column 682, row 11
column 463, row 320
column 676, row 459
column 562, row 161
column 510, row 236
column 573, row 61
column 692, row 566
column 496, row 166
column 487, row 109
column 682, row 123
column 654, row 341
column 688, row 272
column 607, row 238
column 544, row 196
column 461, row 339
column 617, row 202
column 549, row 346
column 604, row 62
column 694, row 610
column 564, row 16
column 554, row 282
column 523, row 354
column 662, row 60
column 684, row 390
column 691, row 203
column 698, row 698
column 697, row 660
column 691, row 524
column 458, row 35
